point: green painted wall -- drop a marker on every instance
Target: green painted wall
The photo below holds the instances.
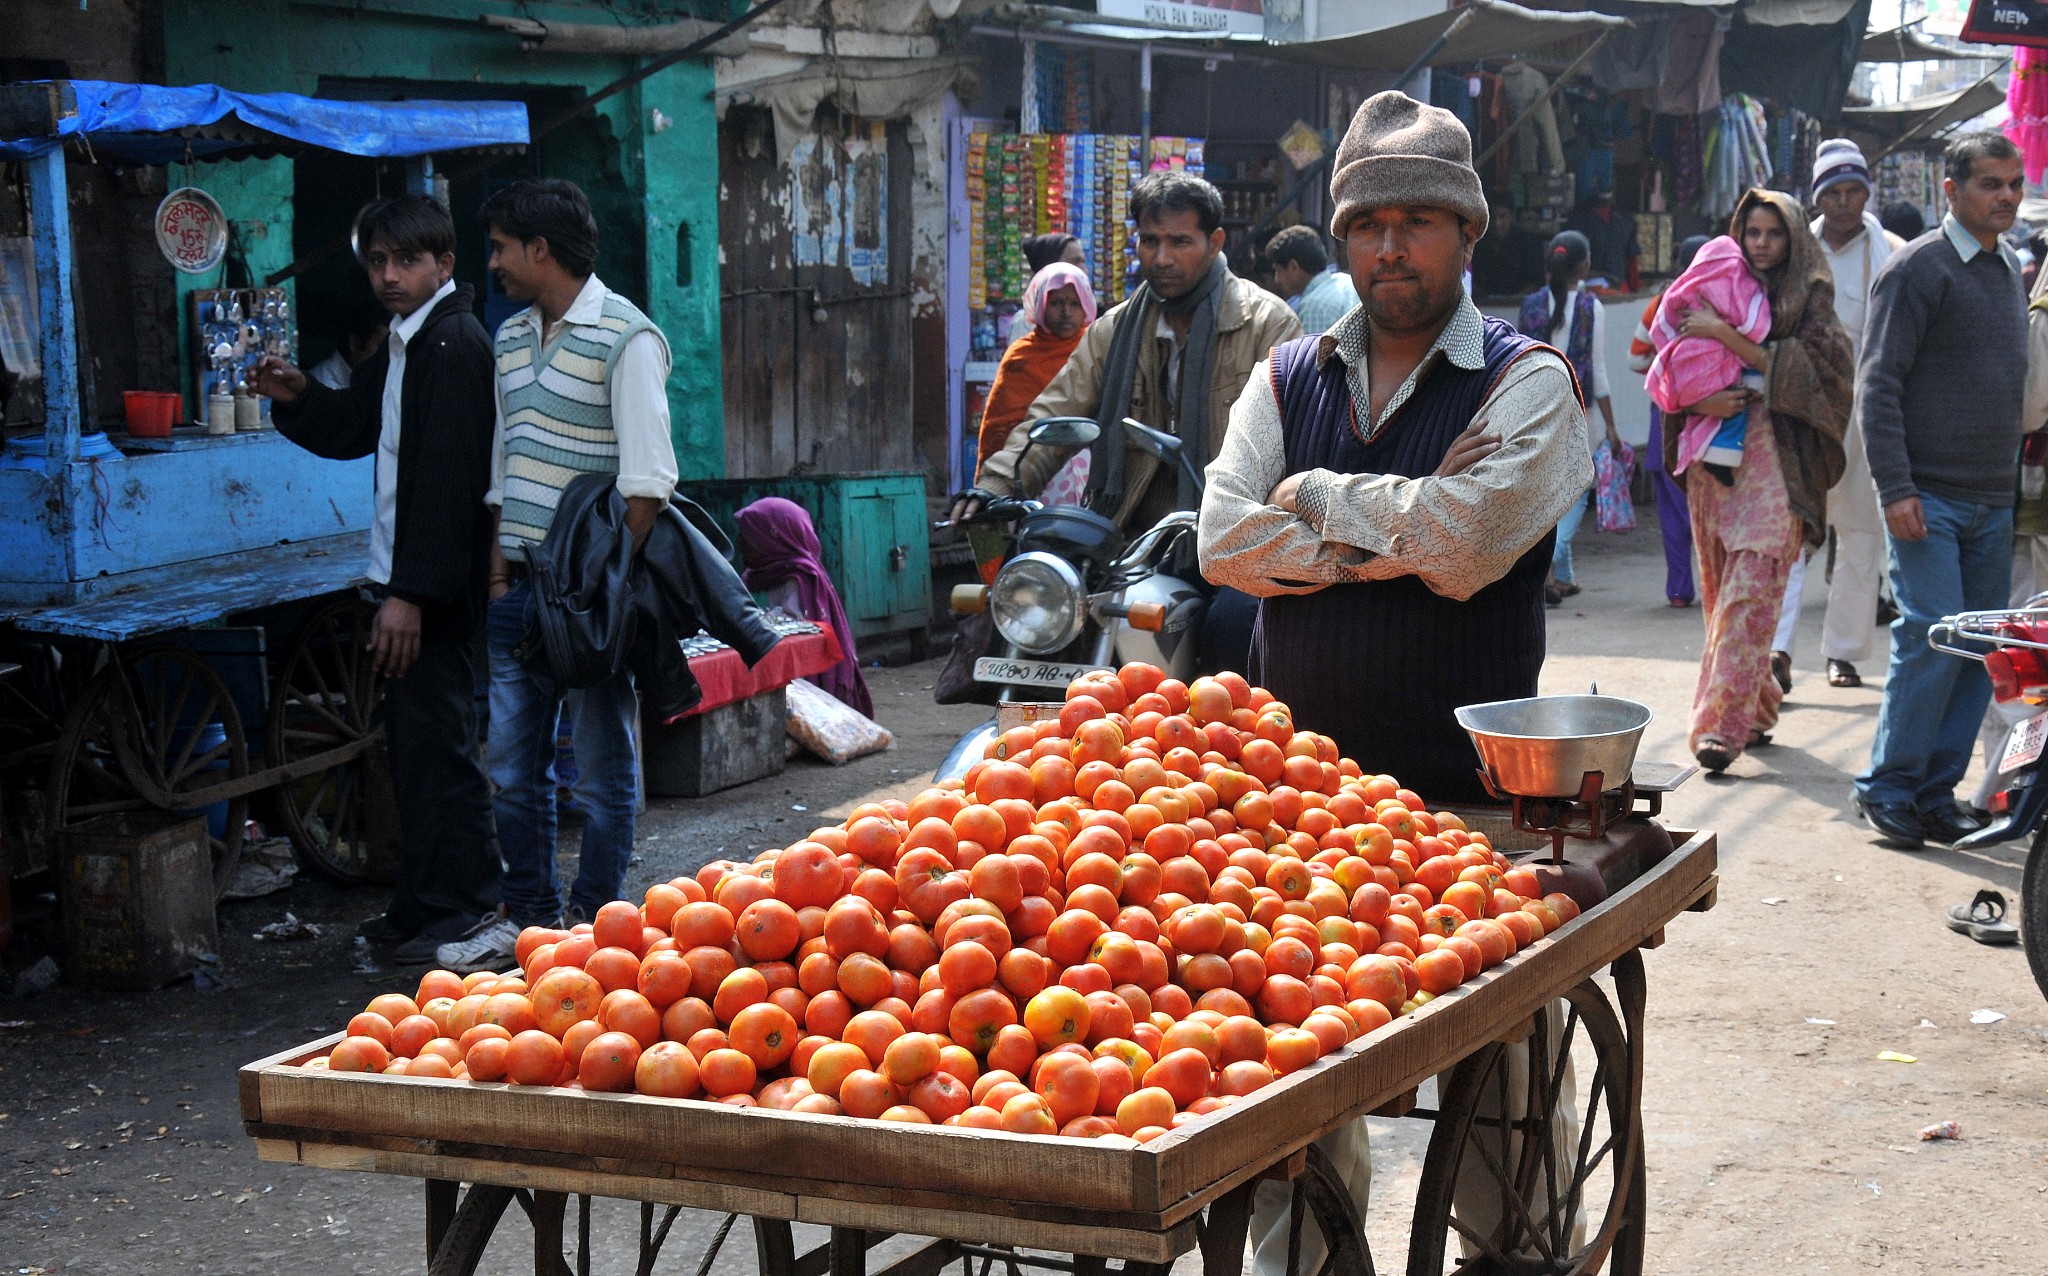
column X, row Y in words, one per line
column 643, row 184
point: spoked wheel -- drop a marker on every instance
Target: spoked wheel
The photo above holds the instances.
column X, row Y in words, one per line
column 1536, row 1165
column 326, row 697
column 154, row 731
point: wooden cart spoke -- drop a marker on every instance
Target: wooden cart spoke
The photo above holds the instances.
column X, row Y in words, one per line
column 131, row 743
column 325, row 699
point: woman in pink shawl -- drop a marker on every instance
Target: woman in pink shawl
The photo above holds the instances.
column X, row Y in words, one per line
column 1749, row 523
column 783, row 558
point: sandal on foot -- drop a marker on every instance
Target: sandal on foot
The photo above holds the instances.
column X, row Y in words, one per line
column 1759, row 739
column 1983, row 919
column 1843, row 674
column 1781, row 669
column 1714, row 754
column 1679, row 602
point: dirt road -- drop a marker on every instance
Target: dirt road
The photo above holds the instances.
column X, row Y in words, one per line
column 1778, row 1140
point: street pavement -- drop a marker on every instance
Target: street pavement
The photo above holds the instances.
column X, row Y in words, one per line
column 1777, row 1137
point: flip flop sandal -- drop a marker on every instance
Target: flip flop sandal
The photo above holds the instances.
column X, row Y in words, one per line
column 1983, row 919
column 1759, row 739
column 1843, row 674
column 1714, row 754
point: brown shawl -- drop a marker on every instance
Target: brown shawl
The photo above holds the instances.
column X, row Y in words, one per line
column 1811, row 373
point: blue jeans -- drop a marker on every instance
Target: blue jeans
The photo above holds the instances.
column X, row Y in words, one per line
column 1561, row 557
column 1934, row 702
column 525, row 707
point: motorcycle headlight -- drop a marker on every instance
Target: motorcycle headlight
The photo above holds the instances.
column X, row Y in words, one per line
column 1038, row 602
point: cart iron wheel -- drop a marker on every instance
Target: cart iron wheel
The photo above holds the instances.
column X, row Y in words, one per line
column 137, row 740
column 326, row 697
column 1536, row 1165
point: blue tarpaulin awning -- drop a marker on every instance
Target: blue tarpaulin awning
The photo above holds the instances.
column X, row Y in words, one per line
column 155, row 124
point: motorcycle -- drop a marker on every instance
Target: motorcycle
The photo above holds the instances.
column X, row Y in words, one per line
column 2012, row 645
column 1072, row 594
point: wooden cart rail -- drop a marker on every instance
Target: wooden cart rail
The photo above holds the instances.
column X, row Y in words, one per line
column 1046, row 1192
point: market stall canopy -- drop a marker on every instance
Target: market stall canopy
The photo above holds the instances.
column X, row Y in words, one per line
column 1923, row 115
column 155, row 124
column 1493, row 29
column 1904, row 44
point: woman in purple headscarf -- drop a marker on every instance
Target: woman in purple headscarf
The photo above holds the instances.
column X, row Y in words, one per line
column 785, row 562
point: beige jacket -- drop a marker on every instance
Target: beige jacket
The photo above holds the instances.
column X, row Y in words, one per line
column 1249, row 320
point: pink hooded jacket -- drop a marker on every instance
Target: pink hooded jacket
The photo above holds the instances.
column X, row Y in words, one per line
column 1688, row 369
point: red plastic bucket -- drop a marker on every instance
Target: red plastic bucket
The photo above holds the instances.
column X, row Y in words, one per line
column 152, row 413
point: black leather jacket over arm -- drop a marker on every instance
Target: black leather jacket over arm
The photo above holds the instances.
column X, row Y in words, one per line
column 598, row 607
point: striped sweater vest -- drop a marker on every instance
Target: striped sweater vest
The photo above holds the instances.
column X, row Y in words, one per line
column 558, row 413
column 1380, row 665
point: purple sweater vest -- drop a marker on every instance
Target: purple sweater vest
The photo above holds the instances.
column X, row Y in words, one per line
column 1380, row 665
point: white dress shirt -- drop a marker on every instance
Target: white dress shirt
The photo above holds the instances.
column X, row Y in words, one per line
column 384, row 526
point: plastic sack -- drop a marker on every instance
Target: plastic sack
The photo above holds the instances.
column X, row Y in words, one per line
column 1614, row 508
column 1070, row 485
column 831, row 729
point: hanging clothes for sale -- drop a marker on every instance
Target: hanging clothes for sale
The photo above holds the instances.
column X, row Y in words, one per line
column 1526, row 87
column 2026, row 105
column 1738, row 154
column 1692, row 85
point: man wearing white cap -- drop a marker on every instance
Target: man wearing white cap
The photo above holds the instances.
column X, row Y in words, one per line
column 1855, row 246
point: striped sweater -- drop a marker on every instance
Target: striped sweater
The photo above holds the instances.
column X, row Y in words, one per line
column 558, row 413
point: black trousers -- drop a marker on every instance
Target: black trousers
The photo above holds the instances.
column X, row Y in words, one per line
column 1226, row 640
column 448, row 868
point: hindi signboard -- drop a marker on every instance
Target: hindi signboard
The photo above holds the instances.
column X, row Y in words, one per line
column 1195, row 17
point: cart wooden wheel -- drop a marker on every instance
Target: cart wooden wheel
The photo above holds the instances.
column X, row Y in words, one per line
column 326, row 697
column 1536, row 1166
column 136, row 741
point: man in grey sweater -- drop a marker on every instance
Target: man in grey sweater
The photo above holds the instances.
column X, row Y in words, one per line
column 1938, row 392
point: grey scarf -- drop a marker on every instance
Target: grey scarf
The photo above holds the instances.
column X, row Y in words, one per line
column 1119, row 379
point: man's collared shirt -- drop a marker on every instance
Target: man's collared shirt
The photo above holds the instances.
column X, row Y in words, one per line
column 1967, row 246
column 384, row 524
column 1457, row 534
column 1330, row 295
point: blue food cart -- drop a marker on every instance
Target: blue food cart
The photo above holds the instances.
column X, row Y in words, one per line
column 182, row 606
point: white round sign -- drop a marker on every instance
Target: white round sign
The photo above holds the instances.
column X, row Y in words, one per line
column 191, row 230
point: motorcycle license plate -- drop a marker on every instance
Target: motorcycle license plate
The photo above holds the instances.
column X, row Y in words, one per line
column 1027, row 673
column 2023, row 745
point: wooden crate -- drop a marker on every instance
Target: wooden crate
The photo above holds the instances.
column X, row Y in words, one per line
column 1048, row 1192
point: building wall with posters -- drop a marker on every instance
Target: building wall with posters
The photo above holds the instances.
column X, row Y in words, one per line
column 833, row 223
column 647, row 156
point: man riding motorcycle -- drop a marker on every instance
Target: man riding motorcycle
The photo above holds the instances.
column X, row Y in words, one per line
column 1174, row 355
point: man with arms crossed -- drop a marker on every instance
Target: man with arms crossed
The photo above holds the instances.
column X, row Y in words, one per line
column 1388, row 492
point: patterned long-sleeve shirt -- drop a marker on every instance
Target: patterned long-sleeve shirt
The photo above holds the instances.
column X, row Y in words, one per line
column 1459, row 534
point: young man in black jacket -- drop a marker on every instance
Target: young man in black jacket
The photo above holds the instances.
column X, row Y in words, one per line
column 423, row 405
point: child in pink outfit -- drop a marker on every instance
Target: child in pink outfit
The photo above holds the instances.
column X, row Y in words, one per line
column 1688, row 369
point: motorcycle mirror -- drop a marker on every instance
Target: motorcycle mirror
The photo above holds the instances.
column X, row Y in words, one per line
column 1065, row 431
column 1158, row 443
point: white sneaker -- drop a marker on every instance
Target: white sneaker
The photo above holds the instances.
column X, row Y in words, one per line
column 487, row 947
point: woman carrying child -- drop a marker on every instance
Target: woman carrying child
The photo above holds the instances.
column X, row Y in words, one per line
column 1757, row 459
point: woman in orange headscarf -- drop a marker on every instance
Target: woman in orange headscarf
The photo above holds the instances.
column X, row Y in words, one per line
column 1058, row 307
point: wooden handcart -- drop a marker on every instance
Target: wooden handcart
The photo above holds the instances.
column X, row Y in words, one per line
column 1533, row 1038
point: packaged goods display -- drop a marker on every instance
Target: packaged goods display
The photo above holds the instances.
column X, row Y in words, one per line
column 1020, row 185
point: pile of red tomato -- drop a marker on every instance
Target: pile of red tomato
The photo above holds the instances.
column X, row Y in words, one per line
column 1127, row 916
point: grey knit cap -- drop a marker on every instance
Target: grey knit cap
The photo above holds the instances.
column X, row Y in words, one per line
column 1401, row 151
